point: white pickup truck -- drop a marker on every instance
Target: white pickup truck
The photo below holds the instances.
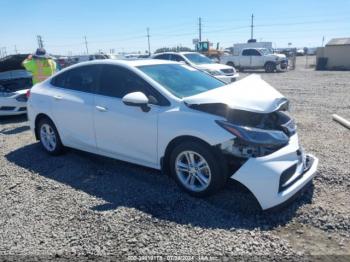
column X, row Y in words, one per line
column 256, row 58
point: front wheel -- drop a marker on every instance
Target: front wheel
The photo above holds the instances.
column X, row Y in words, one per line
column 270, row 68
column 196, row 169
column 49, row 137
column 230, row 64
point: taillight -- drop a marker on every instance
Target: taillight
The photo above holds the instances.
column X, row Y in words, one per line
column 28, row 93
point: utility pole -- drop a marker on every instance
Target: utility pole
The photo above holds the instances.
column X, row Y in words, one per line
column 86, row 45
column 149, row 43
column 200, row 28
column 322, row 41
column 40, row 41
column 4, row 51
column 16, row 51
column 252, row 28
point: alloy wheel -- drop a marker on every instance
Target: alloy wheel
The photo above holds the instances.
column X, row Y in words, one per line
column 193, row 171
column 48, row 137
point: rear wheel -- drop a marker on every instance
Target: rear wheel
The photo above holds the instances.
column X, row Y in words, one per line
column 49, row 137
column 197, row 169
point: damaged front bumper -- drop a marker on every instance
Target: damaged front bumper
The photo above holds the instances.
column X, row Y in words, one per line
column 282, row 65
column 275, row 178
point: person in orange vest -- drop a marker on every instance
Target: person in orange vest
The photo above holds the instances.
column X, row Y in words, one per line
column 40, row 65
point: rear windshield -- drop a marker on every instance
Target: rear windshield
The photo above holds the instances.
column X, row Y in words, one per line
column 181, row 80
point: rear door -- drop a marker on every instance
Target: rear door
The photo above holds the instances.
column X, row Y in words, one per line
column 257, row 58
column 73, row 104
column 123, row 131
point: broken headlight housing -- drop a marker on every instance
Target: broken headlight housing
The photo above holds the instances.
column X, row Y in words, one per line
column 252, row 142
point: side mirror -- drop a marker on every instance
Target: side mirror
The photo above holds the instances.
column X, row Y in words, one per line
column 137, row 99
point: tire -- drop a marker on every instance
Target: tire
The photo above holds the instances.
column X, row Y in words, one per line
column 49, row 137
column 197, row 180
column 230, row 64
column 270, row 67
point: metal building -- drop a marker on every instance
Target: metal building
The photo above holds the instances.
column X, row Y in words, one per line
column 335, row 55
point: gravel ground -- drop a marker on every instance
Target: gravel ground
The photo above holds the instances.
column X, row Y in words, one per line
column 84, row 205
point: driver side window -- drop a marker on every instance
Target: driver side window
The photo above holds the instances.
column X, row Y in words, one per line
column 255, row 52
column 117, row 81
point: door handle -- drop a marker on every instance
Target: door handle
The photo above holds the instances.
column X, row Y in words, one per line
column 101, row 108
column 57, row 97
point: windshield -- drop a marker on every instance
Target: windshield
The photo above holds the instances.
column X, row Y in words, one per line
column 265, row 51
column 198, row 59
column 181, row 80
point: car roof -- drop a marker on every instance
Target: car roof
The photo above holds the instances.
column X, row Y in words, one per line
column 132, row 63
column 177, row 53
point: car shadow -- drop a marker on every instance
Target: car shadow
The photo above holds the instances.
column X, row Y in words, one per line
column 121, row 184
column 13, row 119
column 14, row 131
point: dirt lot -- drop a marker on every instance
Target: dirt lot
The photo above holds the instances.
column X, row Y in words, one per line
column 81, row 204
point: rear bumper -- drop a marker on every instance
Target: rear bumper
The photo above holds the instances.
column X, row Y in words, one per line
column 275, row 178
column 228, row 78
column 13, row 104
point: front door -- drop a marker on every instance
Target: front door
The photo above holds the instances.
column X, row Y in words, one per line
column 122, row 131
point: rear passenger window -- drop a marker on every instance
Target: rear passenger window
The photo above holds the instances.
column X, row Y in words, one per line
column 163, row 57
column 246, row 52
column 177, row 58
column 82, row 78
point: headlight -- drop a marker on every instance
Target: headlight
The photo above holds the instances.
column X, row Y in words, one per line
column 213, row 72
column 256, row 136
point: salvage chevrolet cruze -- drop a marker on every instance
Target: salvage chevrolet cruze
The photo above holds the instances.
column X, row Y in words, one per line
column 170, row 116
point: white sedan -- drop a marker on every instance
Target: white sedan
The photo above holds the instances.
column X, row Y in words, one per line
column 170, row 116
column 13, row 88
column 225, row 73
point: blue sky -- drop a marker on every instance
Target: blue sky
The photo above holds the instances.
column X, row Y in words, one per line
column 121, row 24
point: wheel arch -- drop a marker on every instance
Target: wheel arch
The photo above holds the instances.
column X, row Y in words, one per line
column 230, row 63
column 36, row 122
column 270, row 62
column 164, row 160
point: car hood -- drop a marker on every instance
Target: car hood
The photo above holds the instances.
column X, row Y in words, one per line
column 213, row 66
column 250, row 94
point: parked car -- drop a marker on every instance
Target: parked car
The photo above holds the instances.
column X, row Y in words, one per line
column 300, row 52
column 227, row 74
column 256, row 58
column 84, row 58
column 14, row 83
column 170, row 116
